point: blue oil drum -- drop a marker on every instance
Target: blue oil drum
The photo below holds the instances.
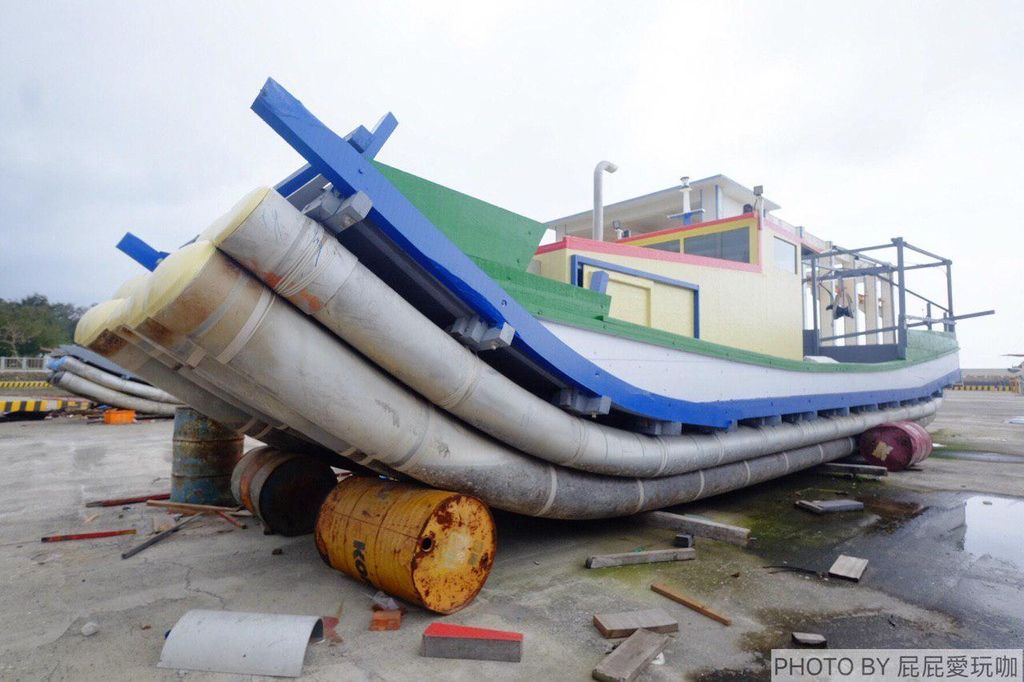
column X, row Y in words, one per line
column 204, row 453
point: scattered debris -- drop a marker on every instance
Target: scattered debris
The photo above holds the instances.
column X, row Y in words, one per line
column 385, row 602
column 698, row 527
column 121, row 501
column 445, row 640
column 810, row 639
column 830, row 506
column 627, row 622
column 330, row 629
column 735, row 575
column 386, row 620
column 145, row 627
column 277, row 551
column 232, row 521
column 90, row 629
column 163, row 522
column 630, row 658
column 91, row 517
column 683, row 540
column 848, row 567
column 159, row 536
column 690, row 603
column 649, row 557
column 88, row 536
column 853, row 470
column 187, row 508
column 238, row 642
column 782, row 568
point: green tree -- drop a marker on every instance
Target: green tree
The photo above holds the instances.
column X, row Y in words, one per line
column 33, row 325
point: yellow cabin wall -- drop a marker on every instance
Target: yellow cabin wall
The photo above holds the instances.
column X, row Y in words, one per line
column 757, row 311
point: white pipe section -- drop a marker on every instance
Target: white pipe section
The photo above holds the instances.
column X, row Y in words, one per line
column 108, row 396
column 260, row 336
column 597, row 233
column 309, row 267
column 97, row 375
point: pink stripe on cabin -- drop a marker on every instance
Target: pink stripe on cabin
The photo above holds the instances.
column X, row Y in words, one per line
column 619, row 249
column 687, row 228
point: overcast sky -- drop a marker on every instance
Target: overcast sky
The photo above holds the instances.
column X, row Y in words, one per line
column 863, row 120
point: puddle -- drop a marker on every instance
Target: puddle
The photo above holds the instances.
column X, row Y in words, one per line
column 972, row 456
column 993, row 528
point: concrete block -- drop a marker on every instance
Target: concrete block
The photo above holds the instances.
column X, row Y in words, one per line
column 445, row 640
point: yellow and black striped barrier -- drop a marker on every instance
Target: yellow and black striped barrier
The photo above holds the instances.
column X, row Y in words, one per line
column 25, row 384
column 1008, row 388
column 45, row 405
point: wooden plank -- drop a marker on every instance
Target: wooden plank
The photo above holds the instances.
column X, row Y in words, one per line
column 848, row 567
column 187, row 508
column 830, row 506
column 690, row 603
column 650, row 557
column 860, row 469
column 697, row 526
column 121, row 501
column 627, row 622
column 631, row 657
column 88, row 536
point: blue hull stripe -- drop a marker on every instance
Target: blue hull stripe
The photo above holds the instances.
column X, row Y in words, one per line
column 411, row 231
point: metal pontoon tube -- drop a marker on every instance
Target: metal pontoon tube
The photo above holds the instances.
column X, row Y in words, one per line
column 303, row 262
column 102, row 394
column 116, row 383
column 261, row 336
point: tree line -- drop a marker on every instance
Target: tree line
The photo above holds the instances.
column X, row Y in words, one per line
column 34, row 325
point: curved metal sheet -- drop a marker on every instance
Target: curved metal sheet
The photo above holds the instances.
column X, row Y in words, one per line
column 240, row 642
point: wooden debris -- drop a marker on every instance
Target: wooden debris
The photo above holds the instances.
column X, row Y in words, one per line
column 848, row 567
column 830, row 506
column 121, row 501
column 809, row 639
column 386, row 620
column 631, row 657
column 232, row 521
column 690, row 603
column 697, row 526
column 854, row 469
column 627, row 622
column 649, row 557
column 683, row 540
column 88, row 536
column 445, row 640
column 186, row 508
column 160, row 536
column 91, row 517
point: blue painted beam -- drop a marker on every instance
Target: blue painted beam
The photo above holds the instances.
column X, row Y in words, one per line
column 141, row 252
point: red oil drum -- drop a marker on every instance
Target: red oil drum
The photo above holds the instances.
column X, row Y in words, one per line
column 896, row 445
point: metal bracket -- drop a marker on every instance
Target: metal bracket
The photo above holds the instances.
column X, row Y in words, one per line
column 584, row 404
column 479, row 335
column 141, row 252
column 657, row 427
column 337, row 214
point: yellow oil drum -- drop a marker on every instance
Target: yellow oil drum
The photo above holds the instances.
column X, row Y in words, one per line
column 429, row 547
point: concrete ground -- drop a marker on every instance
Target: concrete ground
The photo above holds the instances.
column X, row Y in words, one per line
column 944, row 543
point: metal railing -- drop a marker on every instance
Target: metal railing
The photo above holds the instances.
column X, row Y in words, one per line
column 892, row 275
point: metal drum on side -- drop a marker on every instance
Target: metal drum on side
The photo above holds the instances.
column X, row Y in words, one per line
column 282, row 489
column 204, row 454
column 429, row 547
column 896, row 445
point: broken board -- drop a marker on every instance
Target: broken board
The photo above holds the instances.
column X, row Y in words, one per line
column 649, row 557
column 631, row 657
column 848, row 567
column 697, row 526
column 690, row 603
column 830, row 506
column 627, row 622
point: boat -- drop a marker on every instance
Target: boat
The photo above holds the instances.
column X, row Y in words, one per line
column 693, row 344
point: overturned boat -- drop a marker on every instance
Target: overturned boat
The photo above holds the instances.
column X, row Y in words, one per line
column 689, row 347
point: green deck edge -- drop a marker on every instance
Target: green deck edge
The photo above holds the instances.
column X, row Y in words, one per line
column 479, row 229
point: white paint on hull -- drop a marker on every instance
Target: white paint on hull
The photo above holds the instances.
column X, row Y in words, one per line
column 701, row 378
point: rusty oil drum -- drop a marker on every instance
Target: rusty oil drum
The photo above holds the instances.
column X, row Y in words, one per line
column 429, row 547
column 282, row 489
column 896, row 445
column 204, row 453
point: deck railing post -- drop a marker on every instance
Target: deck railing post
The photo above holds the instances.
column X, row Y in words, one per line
column 949, row 326
column 901, row 339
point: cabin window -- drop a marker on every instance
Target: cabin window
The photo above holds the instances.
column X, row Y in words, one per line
column 672, row 246
column 785, row 255
column 728, row 245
